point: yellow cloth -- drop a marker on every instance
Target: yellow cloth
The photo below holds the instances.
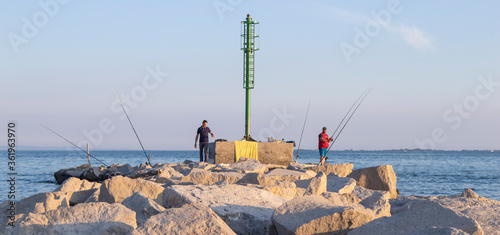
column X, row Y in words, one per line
column 246, row 149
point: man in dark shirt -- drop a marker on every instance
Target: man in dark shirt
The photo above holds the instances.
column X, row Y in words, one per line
column 203, row 132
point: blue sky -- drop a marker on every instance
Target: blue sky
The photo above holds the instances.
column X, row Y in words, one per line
column 433, row 67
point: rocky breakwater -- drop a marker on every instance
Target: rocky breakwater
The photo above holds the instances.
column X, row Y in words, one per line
column 247, row 198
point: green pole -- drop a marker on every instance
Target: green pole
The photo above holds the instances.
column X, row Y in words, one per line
column 248, row 47
column 248, row 52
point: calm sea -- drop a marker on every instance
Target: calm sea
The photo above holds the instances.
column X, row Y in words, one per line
column 418, row 172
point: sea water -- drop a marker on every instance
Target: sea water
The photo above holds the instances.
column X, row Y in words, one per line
column 418, row 172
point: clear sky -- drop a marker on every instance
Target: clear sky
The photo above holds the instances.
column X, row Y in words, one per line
column 433, row 66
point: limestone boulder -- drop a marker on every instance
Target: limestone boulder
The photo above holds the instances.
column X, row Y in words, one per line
column 247, row 210
column 376, row 201
column 295, row 166
column 418, row 214
column 284, row 189
column 312, row 186
column 483, row 210
column 78, row 190
column 316, row 215
column 287, row 175
column 84, row 218
column 165, row 171
column 249, row 178
column 271, row 167
column 188, row 219
column 249, row 165
column 43, row 202
column 201, row 165
column 182, row 168
column 341, row 170
column 75, row 184
column 376, row 178
column 143, row 206
column 118, row 188
column 81, row 196
column 338, row 184
column 94, row 197
column 126, row 169
column 317, row 185
column 200, row 176
column 341, row 199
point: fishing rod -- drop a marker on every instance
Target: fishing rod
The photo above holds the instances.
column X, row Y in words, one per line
column 74, row 145
column 303, row 127
column 335, row 139
column 147, row 157
column 354, row 104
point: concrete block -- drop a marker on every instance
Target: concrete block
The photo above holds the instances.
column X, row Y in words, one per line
column 269, row 153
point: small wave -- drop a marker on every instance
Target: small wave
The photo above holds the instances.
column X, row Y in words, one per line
column 45, row 181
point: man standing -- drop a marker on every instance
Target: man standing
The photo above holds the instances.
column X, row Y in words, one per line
column 203, row 132
column 324, row 143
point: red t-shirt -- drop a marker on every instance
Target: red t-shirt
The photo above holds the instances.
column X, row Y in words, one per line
column 321, row 144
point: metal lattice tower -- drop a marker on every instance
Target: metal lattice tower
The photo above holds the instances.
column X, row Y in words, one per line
column 248, row 45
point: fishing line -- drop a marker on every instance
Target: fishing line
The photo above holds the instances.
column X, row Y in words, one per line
column 74, row 145
column 303, row 127
column 335, row 139
column 147, row 157
column 367, row 90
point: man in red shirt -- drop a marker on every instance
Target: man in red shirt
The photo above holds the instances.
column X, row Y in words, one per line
column 323, row 144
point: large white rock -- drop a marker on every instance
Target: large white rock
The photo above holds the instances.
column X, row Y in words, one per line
column 375, row 200
column 341, row 170
column 341, row 199
column 143, row 206
column 317, row 185
column 417, row 214
column 200, row 176
column 75, row 184
column 484, row 210
column 316, row 215
column 376, row 178
column 249, row 165
column 247, row 210
column 78, row 190
column 189, row 219
column 287, row 175
column 84, row 218
column 340, row 184
column 165, row 171
column 284, row 189
column 94, row 197
column 43, row 202
column 118, row 188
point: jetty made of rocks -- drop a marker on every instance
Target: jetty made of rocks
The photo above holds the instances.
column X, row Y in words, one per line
column 246, row 197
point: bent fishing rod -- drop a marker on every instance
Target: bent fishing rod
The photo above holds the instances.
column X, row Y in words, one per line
column 303, row 127
column 147, row 157
column 335, row 139
column 74, row 145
